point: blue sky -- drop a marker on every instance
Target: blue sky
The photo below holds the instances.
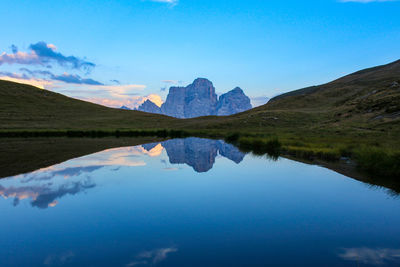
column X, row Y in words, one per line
column 139, row 47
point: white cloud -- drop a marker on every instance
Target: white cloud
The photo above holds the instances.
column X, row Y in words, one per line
column 131, row 102
column 41, row 83
column 259, row 101
column 365, row 1
column 152, row 257
column 371, row 256
column 171, row 2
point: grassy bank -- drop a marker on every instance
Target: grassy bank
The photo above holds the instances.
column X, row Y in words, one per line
column 371, row 157
column 373, row 160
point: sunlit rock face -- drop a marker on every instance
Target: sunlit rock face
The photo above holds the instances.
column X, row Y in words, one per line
column 233, row 102
column 150, row 107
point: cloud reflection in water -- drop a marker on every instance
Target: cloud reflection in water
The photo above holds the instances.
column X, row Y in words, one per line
column 377, row 256
column 46, row 186
column 151, row 257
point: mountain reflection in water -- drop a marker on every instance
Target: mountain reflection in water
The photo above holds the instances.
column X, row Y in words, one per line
column 199, row 153
column 188, row 202
column 46, row 186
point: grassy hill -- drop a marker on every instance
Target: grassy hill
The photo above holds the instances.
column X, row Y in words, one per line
column 27, row 107
column 367, row 99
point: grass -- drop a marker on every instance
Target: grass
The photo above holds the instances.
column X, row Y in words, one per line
column 371, row 157
column 378, row 162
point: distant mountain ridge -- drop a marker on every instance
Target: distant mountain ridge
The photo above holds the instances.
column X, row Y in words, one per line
column 199, row 99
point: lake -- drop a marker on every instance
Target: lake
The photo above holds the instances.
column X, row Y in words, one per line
column 194, row 202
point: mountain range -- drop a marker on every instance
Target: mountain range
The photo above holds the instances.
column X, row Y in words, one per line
column 199, row 99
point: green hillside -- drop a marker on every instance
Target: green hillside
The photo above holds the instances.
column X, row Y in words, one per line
column 27, row 107
column 366, row 100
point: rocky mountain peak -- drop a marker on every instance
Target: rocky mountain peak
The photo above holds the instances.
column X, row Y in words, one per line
column 234, row 101
column 125, row 107
column 202, row 82
column 199, row 99
column 237, row 90
column 150, row 107
column 174, row 106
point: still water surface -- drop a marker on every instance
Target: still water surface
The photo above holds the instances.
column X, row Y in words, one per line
column 194, row 202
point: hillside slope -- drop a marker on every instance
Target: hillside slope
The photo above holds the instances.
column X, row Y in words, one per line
column 27, row 107
column 375, row 91
column 367, row 99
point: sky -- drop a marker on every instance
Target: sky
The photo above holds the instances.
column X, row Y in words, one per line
column 122, row 52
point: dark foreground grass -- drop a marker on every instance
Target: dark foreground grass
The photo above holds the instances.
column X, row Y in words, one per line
column 163, row 133
column 378, row 162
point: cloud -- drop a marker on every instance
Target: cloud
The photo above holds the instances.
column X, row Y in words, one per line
column 44, row 54
column 156, row 99
column 46, row 187
column 65, row 77
column 115, row 81
column 114, row 96
column 56, row 260
column 44, row 196
column 20, row 78
column 152, row 150
column 71, row 84
column 152, row 257
column 171, row 2
column 365, row 1
column 259, row 101
column 14, row 75
column 170, row 81
column 131, row 102
column 76, row 79
column 90, row 90
column 48, row 198
column 371, row 256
